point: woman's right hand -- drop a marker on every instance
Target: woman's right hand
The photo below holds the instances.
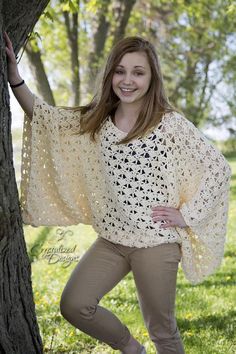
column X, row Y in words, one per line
column 12, row 69
column 22, row 93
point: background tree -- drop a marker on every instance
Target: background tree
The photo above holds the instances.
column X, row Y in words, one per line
column 19, row 329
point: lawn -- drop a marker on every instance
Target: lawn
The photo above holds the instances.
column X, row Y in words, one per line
column 206, row 313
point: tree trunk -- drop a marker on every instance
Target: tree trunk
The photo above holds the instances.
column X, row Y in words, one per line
column 38, row 70
column 123, row 16
column 71, row 23
column 19, row 328
column 121, row 11
column 100, row 37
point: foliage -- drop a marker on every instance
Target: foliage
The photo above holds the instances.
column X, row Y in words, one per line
column 195, row 40
column 228, row 147
column 195, row 51
column 206, row 312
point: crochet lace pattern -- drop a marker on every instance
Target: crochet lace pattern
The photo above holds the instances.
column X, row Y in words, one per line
column 68, row 179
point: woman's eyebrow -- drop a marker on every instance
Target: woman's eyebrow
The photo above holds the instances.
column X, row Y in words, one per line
column 136, row 66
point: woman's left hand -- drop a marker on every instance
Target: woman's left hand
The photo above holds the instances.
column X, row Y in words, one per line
column 171, row 216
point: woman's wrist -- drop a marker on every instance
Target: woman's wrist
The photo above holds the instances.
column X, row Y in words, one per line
column 19, row 84
column 15, row 80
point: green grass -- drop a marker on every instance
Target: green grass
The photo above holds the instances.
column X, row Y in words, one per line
column 206, row 313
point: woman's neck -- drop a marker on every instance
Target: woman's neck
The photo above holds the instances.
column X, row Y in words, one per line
column 128, row 112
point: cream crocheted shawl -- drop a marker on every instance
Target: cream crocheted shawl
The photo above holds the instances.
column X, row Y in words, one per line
column 54, row 190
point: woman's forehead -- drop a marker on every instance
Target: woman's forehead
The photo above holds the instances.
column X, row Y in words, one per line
column 134, row 59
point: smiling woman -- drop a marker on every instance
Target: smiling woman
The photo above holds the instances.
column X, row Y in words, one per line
column 151, row 185
column 131, row 81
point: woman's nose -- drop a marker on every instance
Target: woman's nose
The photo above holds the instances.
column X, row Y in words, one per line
column 127, row 79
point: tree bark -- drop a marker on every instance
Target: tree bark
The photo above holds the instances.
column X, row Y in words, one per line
column 18, row 324
column 20, row 18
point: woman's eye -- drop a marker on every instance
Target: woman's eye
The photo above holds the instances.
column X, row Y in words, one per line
column 120, row 72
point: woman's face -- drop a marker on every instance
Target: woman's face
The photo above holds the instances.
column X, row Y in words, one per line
column 132, row 77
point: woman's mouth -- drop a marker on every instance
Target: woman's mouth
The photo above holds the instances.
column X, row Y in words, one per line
column 126, row 91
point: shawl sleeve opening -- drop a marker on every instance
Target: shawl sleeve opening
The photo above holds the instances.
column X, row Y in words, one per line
column 204, row 195
column 52, row 189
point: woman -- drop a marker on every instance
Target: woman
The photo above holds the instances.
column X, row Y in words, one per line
column 152, row 186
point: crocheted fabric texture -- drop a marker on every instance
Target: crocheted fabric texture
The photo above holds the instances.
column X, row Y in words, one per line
column 68, row 179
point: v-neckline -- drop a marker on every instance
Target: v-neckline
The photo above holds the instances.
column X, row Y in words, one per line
column 116, row 128
column 120, row 132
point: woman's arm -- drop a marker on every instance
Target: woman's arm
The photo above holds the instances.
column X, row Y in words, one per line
column 204, row 171
column 22, row 93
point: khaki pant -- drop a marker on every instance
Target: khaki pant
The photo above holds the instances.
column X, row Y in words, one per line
column 101, row 268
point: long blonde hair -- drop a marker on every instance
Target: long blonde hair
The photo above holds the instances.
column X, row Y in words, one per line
column 105, row 101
